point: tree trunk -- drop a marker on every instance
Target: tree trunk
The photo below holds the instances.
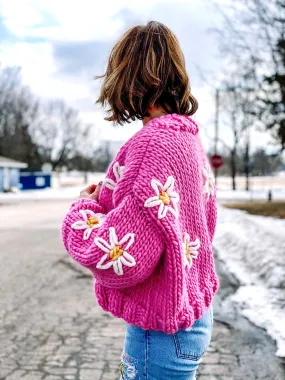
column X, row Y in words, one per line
column 246, row 167
column 233, row 168
column 86, row 177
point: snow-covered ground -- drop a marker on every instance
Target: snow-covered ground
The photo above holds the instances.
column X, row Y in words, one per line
column 252, row 248
column 257, row 194
column 44, row 194
column 71, row 192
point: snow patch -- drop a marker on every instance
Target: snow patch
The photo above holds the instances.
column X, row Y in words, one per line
column 253, row 250
column 265, row 308
column 257, row 194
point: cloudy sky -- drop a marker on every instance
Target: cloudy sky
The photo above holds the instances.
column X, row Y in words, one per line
column 61, row 45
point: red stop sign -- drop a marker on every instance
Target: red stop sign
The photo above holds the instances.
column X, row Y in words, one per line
column 216, row 161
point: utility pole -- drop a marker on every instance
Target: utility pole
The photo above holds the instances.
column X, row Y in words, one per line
column 217, row 128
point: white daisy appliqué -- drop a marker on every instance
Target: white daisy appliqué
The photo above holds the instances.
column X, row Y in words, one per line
column 116, row 254
column 165, row 198
column 89, row 222
column 190, row 250
column 118, row 172
column 209, row 186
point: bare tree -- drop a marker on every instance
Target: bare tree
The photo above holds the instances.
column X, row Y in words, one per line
column 228, row 104
column 236, row 117
column 18, row 109
column 58, row 132
column 35, row 131
column 253, row 42
column 83, row 160
column 97, row 159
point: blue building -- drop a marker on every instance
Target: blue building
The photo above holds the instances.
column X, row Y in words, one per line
column 10, row 173
column 34, row 180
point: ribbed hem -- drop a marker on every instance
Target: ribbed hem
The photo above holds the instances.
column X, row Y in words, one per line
column 121, row 306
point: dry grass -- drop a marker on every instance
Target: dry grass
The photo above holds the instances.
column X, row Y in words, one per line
column 275, row 209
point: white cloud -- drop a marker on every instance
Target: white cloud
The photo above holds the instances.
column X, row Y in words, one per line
column 62, row 25
column 78, row 20
column 39, row 69
column 36, row 59
column 95, row 20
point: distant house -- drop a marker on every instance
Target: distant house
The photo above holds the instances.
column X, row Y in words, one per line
column 35, row 178
column 10, row 173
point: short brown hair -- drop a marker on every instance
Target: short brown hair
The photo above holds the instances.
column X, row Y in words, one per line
column 146, row 67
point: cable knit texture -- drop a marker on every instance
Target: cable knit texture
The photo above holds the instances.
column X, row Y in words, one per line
column 148, row 240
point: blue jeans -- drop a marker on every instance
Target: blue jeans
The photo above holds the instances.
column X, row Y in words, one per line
column 152, row 355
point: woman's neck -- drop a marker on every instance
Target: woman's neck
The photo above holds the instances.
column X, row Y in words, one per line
column 153, row 112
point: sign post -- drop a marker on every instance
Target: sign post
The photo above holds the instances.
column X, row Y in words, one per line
column 216, row 162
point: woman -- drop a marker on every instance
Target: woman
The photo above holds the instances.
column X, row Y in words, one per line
column 146, row 233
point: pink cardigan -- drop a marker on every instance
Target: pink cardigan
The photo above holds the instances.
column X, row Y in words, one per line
column 148, row 241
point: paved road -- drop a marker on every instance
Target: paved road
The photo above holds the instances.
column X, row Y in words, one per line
column 52, row 329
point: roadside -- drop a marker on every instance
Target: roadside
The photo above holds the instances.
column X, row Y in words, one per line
column 252, row 249
column 239, row 350
column 52, row 328
column 275, row 208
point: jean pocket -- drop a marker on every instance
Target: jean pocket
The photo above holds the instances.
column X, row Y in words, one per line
column 193, row 342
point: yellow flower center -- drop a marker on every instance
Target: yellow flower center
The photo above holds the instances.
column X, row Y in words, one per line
column 92, row 221
column 116, row 252
column 164, row 197
column 187, row 251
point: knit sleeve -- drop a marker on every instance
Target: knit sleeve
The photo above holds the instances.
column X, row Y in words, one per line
column 121, row 248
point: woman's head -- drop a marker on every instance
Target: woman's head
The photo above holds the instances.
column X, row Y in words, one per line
column 146, row 68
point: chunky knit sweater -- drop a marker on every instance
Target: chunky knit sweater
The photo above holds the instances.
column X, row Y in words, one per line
column 148, row 240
